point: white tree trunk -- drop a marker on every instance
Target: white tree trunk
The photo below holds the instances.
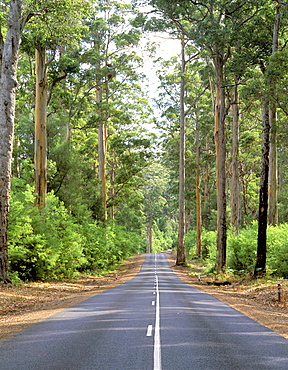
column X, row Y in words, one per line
column 273, row 162
column 198, row 195
column 181, row 256
column 8, row 84
column 234, row 181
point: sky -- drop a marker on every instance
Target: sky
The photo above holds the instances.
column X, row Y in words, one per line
column 166, row 48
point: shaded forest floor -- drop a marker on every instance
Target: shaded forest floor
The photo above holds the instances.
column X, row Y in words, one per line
column 21, row 306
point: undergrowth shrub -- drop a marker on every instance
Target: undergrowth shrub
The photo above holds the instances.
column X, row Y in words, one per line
column 52, row 244
column 190, row 243
column 208, row 245
column 277, row 256
column 43, row 244
column 241, row 249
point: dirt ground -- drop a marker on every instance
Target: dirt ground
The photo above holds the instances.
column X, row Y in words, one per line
column 26, row 304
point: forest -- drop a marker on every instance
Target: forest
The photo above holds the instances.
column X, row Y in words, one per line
column 97, row 166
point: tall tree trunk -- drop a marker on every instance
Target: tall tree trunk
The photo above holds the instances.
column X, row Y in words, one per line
column 112, row 190
column 40, row 154
column 220, row 144
column 102, row 165
column 273, row 170
column 260, row 266
column 206, row 195
column 198, row 196
column 181, row 255
column 273, row 175
column 234, row 181
column 102, row 145
column 150, row 235
column 8, row 84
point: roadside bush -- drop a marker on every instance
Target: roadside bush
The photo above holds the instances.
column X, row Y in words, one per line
column 241, row 249
column 27, row 251
column 94, row 248
column 277, row 256
column 190, row 243
column 209, row 245
column 125, row 243
column 46, row 244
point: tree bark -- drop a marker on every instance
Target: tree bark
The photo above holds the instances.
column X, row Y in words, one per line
column 40, row 154
column 273, row 163
column 273, row 170
column 102, row 165
column 150, row 235
column 206, row 195
column 220, row 144
column 102, row 135
column 234, row 181
column 260, row 266
column 181, row 255
column 198, row 196
column 8, row 84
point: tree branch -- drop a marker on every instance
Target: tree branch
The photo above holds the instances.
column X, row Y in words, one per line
column 54, row 82
column 195, row 100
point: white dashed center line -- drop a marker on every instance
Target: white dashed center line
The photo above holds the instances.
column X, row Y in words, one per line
column 157, row 344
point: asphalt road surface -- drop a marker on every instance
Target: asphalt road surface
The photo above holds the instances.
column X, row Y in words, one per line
column 152, row 322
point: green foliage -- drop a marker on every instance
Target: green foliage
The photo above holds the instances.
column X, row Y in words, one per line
column 208, row 245
column 52, row 244
column 44, row 244
column 57, row 23
column 277, row 257
column 242, row 249
column 190, row 243
column 106, row 247
column 163, row 241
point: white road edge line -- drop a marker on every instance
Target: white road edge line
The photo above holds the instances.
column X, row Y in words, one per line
column 149, row 331
column 157, row 344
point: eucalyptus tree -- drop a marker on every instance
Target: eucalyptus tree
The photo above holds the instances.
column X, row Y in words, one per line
column 106, row 62
column 56, row 27
column 273, row 176
column 130, row 148
column 197, row 114
column 14, row 16
column 269, row 138
column 213, row 26
column 8, row 84
column 278, row 46
column 109, row 52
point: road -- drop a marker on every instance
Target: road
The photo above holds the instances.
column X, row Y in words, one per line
column 152, row 322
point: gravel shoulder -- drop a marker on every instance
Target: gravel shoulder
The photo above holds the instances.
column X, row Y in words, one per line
column 32, row 302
